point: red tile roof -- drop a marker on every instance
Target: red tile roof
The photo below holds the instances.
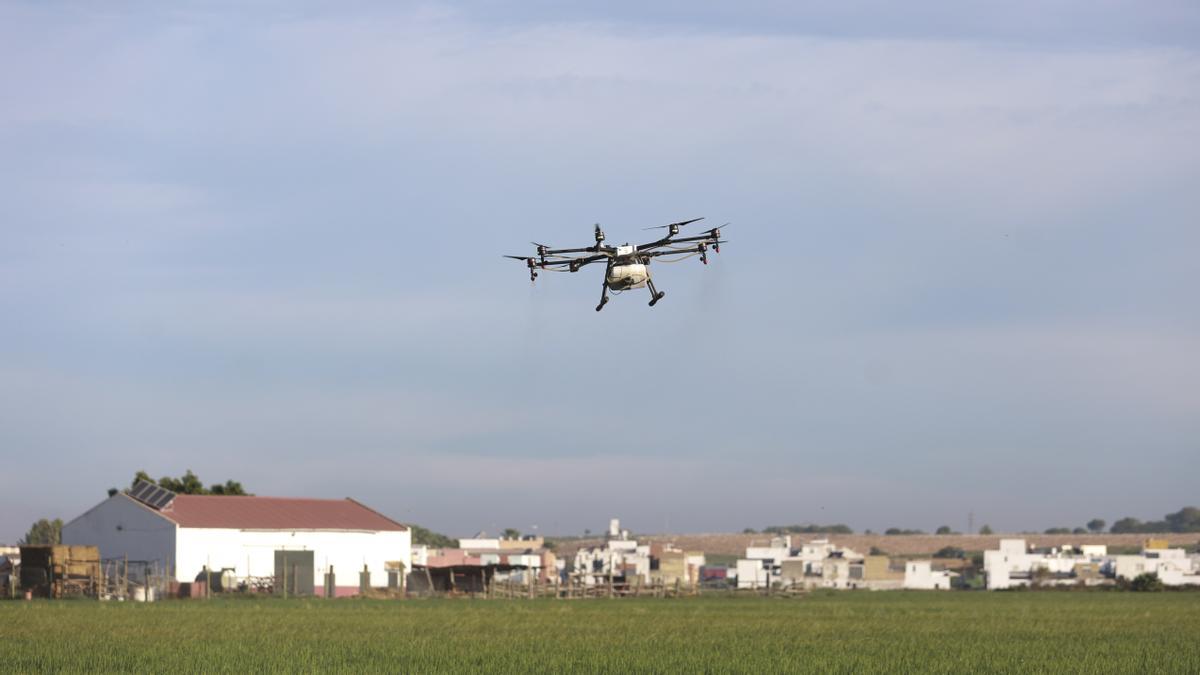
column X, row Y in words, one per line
column 276, row 513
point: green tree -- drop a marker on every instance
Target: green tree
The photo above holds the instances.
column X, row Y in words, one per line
column 944, row 529
column 1058, row 530
column 1186, row 519
column 1096, row 525
column 1126, row 525
column 511, row 533
column 188, row 484
column 749, row 530
column 44, row 532
column 986, row 529
column 424, row 537
column 950, row 552
column 231, row 487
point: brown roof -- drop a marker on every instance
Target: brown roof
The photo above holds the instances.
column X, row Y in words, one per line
column 275, row 513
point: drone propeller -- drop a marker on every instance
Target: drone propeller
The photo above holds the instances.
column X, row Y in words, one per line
column 673, row 226
column 528, row 263
column 716, row 233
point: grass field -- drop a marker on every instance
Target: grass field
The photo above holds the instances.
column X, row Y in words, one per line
column 826, row 632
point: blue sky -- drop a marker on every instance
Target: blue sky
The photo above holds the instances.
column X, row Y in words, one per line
column 264, row 243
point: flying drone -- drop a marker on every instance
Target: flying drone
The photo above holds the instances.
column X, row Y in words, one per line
column 626, row 266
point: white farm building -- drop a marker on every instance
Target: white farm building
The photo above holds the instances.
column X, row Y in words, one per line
column 248, row 537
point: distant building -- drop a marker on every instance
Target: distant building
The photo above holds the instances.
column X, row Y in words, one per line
column 626, row 561
column 920, row 575
column 520, row 556
column 1013, row 564
column 1172, row 566
column 193, row 537
column 816, row 564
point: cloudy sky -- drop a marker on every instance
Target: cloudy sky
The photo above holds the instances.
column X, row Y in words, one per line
column 264, row 244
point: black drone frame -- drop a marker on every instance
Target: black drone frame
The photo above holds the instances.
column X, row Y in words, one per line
column 574, row 259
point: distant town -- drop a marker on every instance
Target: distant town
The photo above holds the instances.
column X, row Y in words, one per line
column 151, row 541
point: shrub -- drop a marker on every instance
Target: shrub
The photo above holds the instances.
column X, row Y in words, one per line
column 1146, row 582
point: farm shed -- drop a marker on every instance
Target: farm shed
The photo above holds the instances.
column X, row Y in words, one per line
column 195, row 537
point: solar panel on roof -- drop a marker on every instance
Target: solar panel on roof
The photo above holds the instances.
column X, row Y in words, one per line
column 141, row 489
column 154, row 496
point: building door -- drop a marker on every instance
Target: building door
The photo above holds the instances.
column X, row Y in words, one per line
column 294, row 572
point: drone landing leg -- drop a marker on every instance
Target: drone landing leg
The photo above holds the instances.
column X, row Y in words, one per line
column 603, row 294
column 655, row 295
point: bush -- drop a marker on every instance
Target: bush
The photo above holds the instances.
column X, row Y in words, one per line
column 1146, row 582
column 950, row 552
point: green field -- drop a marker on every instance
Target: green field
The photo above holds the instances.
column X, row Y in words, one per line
column 842, row 632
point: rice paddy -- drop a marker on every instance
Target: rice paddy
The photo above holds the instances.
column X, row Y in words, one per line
column 825, row 632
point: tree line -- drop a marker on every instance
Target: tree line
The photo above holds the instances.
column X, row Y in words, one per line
column 1184, row 520
column 187, row 484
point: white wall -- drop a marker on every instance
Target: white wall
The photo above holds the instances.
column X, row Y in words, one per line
column 252, row 552
column 920, row 575
column 750, row 574
column 767, row 553
column 120, row 526
column 481, row 544
column 1172, row 569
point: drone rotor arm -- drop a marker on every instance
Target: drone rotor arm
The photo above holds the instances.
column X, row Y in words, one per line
column 577, row 262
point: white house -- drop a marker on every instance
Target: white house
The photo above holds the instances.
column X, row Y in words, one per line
column 920, row 575
column 185, row 534
column 1013, row 565
column 818, row 563
column 1171, row 565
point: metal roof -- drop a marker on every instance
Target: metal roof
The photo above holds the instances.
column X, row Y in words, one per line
column 276, row 513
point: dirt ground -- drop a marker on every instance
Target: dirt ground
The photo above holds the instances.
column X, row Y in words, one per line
column 898, row 545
